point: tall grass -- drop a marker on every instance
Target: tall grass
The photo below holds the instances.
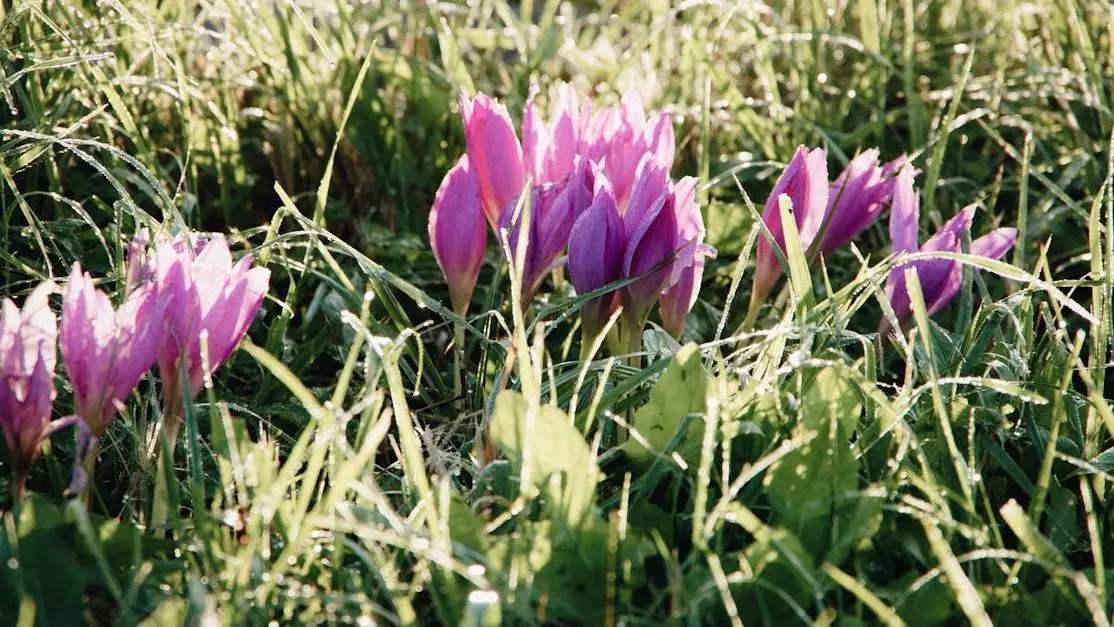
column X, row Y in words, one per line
column 801, row 472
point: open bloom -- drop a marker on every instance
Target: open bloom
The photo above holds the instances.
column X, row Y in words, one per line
column 211, row 301
column 28, row 345
column 107, row 351
column 457, row 232
column 856, row 198
column 688, row 269
column 494, row 153
column 805, row 180
column 940, row 279
column 554, row 208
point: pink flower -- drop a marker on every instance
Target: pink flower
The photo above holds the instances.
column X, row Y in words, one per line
column 940, row 279
column 28, row 345
column 211, row 301
column 494, row 152
column 107, row 351
column 805, row 180
column 856, row 198
column 457, row 232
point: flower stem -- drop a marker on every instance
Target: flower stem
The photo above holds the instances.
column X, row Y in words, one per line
column 19, row 486
column 171, row 422
column 752, row 312
column 458, row 360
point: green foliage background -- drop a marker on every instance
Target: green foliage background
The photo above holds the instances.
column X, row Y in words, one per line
column 803, row 473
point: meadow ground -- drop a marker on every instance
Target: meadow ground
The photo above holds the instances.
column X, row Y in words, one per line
column 799, row 470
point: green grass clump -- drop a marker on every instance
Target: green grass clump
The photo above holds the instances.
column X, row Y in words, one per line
column 803, row 472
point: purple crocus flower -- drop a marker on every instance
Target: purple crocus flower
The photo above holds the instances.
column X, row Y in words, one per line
column 652, row 236
column 941, row 279
column 856, row 198
column 596, row 256
column 688, row 270
column 107, row 351
column 457, row 232
column 28, row 346
column 494, row 154
column 211, row 301
column 805, row 180
column 554, row 208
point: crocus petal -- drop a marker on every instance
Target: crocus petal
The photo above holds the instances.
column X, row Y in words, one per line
column 174, row 274
column 659, row 138
column 494, row 152
column 651, row 184
column 228, row 321
column 995, row 244
column 457, row 233
column 564, row 136
column 678, row 300
column 535, row 137
column 991, row 246
column 904, row 213
column 805, row 181
column 652, row 243
column 596, row 257
column 140, row 328
column 855, row 200
column 551, row 215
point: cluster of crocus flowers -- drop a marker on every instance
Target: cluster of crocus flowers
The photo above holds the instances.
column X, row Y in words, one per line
column 592, row 183
column 940, row 279
column 187, row 307
column 827, row 216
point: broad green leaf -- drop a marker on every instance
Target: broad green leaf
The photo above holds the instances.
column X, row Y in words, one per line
column 681, row 391
column 807, row 485
column 42, row 564
column 548, row 450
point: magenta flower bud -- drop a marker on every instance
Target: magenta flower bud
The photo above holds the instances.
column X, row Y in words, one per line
column 28, row 346
column 211, row 301
column 457, row 232
column 688, row 269
column 596, row 257
column 940, row 279
column 805, row 180
column 553, row 210
column 550, row 149
column 494, row 154
column 107, row 351
column 856, row 199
